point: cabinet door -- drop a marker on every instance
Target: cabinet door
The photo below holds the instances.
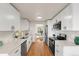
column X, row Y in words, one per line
column 67, row 18
column 9, row 18
column 59, row 50
column 29, row 42
column 24, row 25
column 75, row 10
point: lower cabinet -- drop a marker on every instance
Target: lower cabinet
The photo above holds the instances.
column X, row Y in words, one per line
column 29, row 42
column 23, row 48
column 16, row 51
column 58, row 50
column 28, row 45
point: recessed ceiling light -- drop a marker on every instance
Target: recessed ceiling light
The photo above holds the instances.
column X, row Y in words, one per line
column 39, row 17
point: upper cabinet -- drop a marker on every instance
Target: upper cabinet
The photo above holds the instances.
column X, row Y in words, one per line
column 75, row 18
column 66, row 18
column 25, row 25
column 69, row 18
column 9, row 18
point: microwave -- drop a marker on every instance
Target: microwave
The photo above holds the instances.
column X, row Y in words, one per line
column 57, row 26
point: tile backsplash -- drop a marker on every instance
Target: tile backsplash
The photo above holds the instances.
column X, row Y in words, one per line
column 72, row 35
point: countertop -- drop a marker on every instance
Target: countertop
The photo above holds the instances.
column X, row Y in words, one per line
column 10, row 46
column 64, row 43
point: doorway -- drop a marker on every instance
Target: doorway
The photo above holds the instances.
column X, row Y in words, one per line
column 39, row 31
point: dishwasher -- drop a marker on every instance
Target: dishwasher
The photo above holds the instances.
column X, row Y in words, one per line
column 23, row 48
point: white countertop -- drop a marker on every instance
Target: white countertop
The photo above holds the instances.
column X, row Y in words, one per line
column 10, row 46
column 64, row 43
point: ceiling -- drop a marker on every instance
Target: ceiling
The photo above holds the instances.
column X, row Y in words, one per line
column 34, row 10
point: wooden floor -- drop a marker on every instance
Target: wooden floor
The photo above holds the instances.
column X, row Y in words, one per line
column 39, row 48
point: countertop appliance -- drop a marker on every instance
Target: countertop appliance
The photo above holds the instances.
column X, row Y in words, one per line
column 52, row 45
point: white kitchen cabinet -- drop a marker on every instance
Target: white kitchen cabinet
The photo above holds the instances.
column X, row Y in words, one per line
column 59, row 45
column 71, row 50
column 28, row 46
column 58, row 50
column 9, row 18
column 66, row 18
column 16, row 51
column 69, row 18
column 24, row 25
column 29, row 42
column 75, row 15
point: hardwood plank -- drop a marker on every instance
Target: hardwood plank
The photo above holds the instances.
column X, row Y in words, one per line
column 39, row 48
